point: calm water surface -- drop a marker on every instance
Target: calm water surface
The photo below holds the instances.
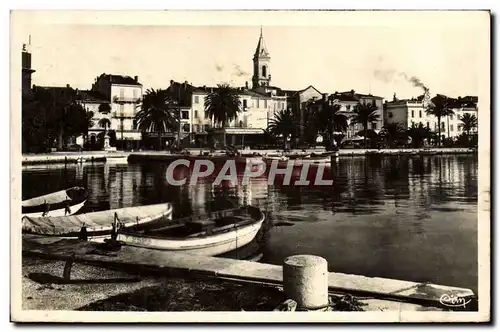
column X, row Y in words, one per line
column 411, row 218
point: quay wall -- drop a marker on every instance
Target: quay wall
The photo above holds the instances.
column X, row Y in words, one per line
column 149, row 156
column 176, row 263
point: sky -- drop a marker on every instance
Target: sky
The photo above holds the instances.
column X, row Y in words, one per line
column 370, row 52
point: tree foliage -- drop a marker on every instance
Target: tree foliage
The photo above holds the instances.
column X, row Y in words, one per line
column 49, row 116
column 158, row 113
column 440, row 106
column 283, row 125
column 469, row 122
column 223, row 105
column 365, row 113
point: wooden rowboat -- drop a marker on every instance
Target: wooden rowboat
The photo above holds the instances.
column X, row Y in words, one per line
column 207, row 235
column 59, row 203
column 98, row 224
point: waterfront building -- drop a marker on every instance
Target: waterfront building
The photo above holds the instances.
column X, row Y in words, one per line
column 257, row 109
column 259, row 104
column 101, row 119
column 413, row 111
column 347, row 102
column 298, row 100
column 124, row 94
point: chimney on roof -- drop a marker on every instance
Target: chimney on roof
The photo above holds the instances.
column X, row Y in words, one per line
column 325, row 96
column 204, row 87
column 136, row 78
column 246, row 85
column 171, row 82
column 352, row 92
column 68, row 86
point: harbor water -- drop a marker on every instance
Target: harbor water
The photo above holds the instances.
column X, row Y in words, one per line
column 401, row 217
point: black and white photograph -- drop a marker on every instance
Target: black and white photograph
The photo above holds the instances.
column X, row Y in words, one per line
column 250, row 166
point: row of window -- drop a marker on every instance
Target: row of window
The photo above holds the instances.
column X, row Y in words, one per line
column 443, row 126
column 256, row 103
column 420, row 114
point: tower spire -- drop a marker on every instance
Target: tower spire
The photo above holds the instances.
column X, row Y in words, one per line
column 261, row 62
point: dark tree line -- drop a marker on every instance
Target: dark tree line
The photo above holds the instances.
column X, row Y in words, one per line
column 50, row 116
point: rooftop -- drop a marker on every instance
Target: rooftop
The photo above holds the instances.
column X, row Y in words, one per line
column 355, row 96
column 92, row 96
column 120, row 79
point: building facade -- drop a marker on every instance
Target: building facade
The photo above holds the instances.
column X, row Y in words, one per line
column 124, row 95
column 259, row 105
column 257, row 110
column 410, row 112
column 94, row 101
column 348, row 101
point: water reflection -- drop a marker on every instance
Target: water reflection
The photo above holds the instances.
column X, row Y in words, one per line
column 408, row 217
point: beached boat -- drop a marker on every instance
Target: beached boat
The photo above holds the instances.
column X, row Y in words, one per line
column 99, row 224
column 207, row 235
column 56, row 204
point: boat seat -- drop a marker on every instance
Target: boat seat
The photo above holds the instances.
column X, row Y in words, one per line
column 202, row 223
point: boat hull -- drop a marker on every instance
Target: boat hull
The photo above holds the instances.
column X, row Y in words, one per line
column 99, row 224
column 57, row 212
column 54, row 204
column 205, row 246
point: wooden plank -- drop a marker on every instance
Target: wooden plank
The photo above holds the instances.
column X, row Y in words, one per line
column 382, row 288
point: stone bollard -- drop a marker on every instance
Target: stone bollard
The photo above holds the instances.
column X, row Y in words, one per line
column 305, row 280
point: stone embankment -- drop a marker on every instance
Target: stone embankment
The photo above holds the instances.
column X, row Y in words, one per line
column 145, row 156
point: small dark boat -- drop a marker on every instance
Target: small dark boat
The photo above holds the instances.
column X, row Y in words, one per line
column 59, row 203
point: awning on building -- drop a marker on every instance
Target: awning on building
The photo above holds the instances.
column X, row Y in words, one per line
column 244, row 131
column 134, row 136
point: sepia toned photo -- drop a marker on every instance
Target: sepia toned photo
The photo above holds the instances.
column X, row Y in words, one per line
column 250, row 166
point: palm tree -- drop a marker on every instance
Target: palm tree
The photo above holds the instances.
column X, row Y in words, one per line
column 365, row 113
column 439, row 107
column 283, row 124
column 469, row 122
column 157, row 113
column 104, row 108
column 418, row 133
column 104, row 123
column 223, row 105
column 329, row 121
column 393, row 133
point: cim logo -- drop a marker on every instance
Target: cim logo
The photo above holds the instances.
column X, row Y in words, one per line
column 453, row 301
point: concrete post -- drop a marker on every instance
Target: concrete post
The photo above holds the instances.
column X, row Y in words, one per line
column 305, row 280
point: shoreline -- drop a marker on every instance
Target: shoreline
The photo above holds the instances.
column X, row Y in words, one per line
column 145, row 156
column 390, row 293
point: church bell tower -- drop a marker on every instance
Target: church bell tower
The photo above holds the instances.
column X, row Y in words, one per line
column 261, row 62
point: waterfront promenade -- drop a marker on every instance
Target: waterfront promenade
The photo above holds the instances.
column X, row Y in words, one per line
column 102, row 156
